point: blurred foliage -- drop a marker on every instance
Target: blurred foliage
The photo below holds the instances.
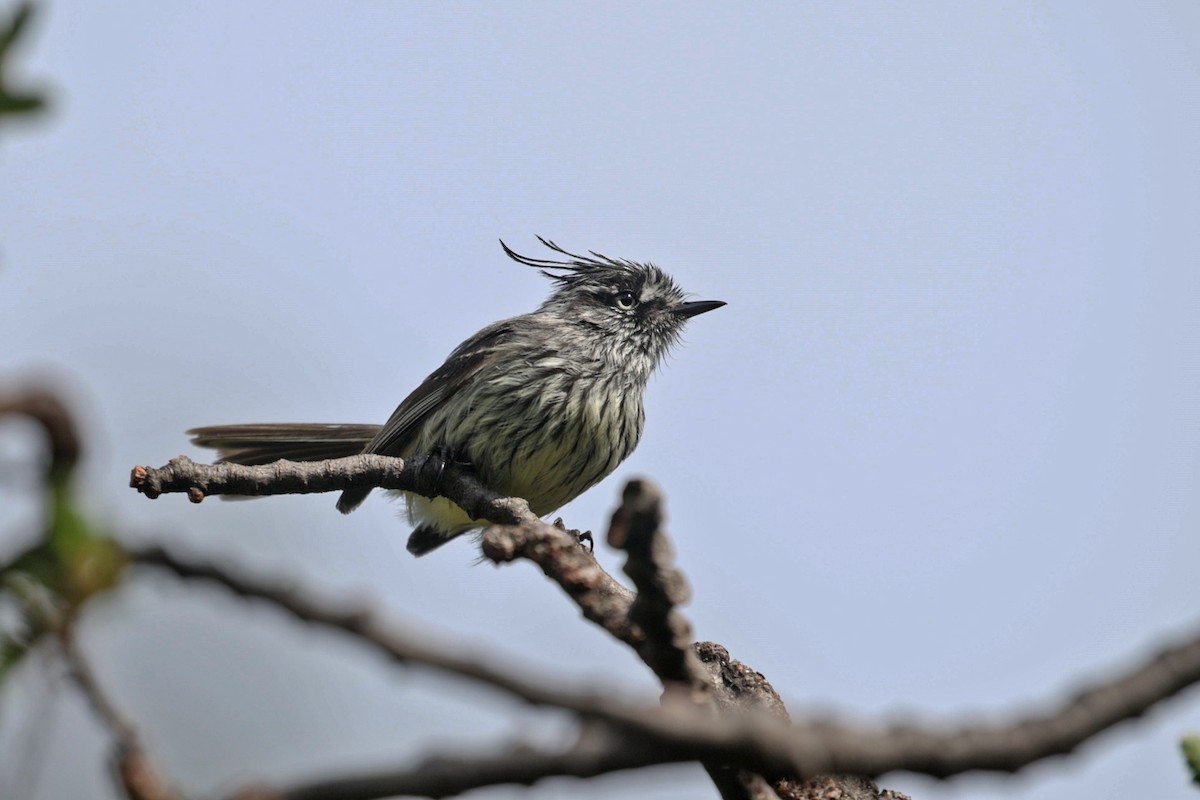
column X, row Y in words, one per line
column 73, row 560
column 15, row 101
column 1191, row 753
column 48, row 583
column 45, row 584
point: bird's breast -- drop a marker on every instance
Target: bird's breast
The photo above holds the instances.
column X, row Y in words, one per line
column 560, row 438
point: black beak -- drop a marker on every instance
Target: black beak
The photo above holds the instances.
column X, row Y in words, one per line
column 688, row 310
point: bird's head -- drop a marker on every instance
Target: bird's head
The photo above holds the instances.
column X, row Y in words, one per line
column 633, row 310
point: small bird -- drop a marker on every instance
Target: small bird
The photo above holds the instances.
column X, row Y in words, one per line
column 541, row 406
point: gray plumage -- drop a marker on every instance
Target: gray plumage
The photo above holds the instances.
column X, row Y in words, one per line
column 542, row 406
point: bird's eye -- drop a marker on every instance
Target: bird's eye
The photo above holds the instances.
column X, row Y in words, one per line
column 625, row 300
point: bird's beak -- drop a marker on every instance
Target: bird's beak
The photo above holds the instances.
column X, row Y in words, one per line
column 688, row 310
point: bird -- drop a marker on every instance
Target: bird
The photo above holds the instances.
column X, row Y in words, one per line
column 541, row 406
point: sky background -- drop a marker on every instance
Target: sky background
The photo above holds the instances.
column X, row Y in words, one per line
column 938, row 457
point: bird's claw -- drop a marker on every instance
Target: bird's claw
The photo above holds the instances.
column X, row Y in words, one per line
column 582, row 536
column 435, row 465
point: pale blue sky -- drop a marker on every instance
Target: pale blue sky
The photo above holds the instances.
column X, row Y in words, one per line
column 940, row 453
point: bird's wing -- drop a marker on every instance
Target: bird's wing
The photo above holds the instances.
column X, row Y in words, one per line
column 399, row 431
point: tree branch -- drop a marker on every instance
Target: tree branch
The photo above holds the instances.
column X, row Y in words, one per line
column 636, row 528
column 642, row 737
column 1013, row 746
column 182, row 475
column 519, row 534
column 398, row 644
column 599, row 596
column 603, row 599
column 760, row 742
column 667, row 647
column 679, row 731
column 595, row 753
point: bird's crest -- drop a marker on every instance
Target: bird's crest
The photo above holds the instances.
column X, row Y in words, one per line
column 578, row 268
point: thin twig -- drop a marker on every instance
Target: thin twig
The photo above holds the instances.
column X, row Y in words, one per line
column 134, row 772
column 118, row 727
column 44, row 407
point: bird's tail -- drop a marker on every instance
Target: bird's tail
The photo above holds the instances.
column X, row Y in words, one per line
column 306, row 441
column 262, row 444
column 427, row 538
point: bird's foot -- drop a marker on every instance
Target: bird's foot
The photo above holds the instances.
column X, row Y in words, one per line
column 434, row 468
column 581, row 536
